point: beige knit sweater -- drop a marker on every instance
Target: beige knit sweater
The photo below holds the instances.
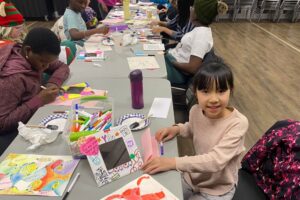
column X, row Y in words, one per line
column 218, row 145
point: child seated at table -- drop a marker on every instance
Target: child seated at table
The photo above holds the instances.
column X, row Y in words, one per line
column 218, row 133
column 74, row 26
column 180, row 25
column 185, row 59
column 12, row 25
column 21, row 69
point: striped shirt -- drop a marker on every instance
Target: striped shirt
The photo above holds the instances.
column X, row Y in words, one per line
column 178, row 31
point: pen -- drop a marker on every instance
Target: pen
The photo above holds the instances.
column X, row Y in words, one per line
column 161, row 148
column 43, row 87
column 71, row 186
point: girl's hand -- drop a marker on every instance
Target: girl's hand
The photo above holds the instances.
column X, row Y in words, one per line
column 157, row 29
column 159, row 164
column 48, row 95
column 154, row 22
column 166, row 134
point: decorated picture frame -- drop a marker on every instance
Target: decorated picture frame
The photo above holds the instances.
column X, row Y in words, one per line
column 111, row 155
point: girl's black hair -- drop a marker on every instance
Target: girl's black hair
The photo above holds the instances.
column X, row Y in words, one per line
column 183, row 10
column 42, row 40
column 211, row 73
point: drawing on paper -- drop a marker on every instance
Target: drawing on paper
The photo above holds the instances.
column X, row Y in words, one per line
column 28, row 174
column 143, row 188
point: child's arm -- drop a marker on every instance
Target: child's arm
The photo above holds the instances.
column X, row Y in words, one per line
column 78, row 35
column 159, row 23
column 159, row 29
column 59, row 72
column 13, row 108
column 231, row 145
column 190, row 67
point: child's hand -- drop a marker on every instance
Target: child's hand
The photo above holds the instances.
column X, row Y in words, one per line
column 48, row 95
column 154, row 22
column 159, row 164
column 166, row 134
column 103, row 29
column 157, row 29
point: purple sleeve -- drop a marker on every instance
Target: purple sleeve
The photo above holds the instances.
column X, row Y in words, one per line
column 59, row 72
column 12, row 109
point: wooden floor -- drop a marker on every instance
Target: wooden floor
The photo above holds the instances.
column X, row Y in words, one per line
column 265, row 58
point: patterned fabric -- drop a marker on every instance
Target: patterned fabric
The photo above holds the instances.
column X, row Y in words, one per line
column 275, row 161
column 11, row 17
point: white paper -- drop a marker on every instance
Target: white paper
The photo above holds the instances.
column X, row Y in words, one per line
column 160, row 107
column 154, row 47
column 146, row 186
column 142, row 62
column 96, row 46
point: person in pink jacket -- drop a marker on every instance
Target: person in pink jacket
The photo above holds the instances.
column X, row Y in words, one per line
column 218, row 133
column 106, row 6
column 21, row 70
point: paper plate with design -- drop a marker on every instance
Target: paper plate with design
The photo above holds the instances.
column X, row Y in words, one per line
column 59, row 120
column 134, row 117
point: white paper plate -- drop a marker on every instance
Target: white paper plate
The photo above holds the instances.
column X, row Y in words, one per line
column 56, row 119
column 134, row 117
column 107, row 42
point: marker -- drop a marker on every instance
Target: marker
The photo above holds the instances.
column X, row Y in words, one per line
column 76, row 117
column 161, row 148
column 71, row 186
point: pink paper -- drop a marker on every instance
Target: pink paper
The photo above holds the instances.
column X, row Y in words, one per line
column 89, row 147
column 59, row 102
column 149, row 145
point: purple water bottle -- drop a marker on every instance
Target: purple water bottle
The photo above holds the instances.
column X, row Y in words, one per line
column 136, row 80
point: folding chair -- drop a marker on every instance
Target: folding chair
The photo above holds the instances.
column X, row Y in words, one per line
column 291, row 6
column 269, row 6
column 248, row 5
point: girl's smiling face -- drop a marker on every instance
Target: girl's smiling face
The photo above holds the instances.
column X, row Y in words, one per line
column 214, row 101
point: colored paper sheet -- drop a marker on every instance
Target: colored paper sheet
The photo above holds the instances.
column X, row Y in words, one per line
column 149, row 145
column 61, row 102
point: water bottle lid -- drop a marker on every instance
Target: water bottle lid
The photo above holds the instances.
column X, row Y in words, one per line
column 136, row 75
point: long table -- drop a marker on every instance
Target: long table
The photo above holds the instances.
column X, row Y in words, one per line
column 119, row 90
column 116, row 65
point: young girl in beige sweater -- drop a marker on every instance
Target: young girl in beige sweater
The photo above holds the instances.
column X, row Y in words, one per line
column 218, row 133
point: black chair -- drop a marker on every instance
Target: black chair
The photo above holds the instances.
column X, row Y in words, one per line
column 247, row 188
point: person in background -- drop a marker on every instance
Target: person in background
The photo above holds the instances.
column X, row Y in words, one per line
column 12, row 25
column 89, row 16
column 185, row 59
column 74, row 26
column 166, row 12
column 218, row 133
column 180, row 25
column 105, row 6
column 21, row 71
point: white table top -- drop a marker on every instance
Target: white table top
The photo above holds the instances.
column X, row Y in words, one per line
column 119, row 90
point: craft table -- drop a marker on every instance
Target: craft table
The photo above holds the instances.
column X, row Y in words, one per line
column 119, row 90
